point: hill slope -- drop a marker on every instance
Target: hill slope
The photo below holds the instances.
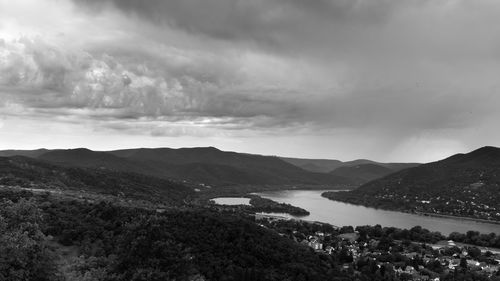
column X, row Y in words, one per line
column 206, row 165
column 210, row 165
column 28, row 153
column 30, row 173
column 329, row 165
column 461, row 185
column 314, row 165
column 82, row 157
column 354, row 170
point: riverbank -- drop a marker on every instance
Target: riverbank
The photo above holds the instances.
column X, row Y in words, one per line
column 332, row 196
column 255, row 204
column 265, row 205
column 339, row 213
column 454, row 217
column 446, row 243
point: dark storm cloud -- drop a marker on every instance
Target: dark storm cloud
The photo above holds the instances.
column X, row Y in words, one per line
column 41, row 76
column 276, row 23
column 382, row 70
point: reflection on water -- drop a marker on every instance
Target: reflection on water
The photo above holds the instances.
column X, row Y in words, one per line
column 231, row 201
column 339, row 214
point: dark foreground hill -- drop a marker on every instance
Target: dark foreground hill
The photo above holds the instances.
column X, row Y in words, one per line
column 462, row 185
column 31, row 173
column 205, row 165
column 72, row 240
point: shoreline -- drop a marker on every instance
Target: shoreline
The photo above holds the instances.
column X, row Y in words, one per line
column 454, row 217
column 425, row 214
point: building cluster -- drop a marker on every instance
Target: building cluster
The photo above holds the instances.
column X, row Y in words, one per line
column 414, row 261
column 462, row 202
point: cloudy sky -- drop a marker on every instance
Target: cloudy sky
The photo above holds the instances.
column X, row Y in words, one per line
column 388, row 80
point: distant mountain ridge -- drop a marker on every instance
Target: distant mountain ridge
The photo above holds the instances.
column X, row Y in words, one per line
column 28, row 153
column 329, row 165
column 363, row 173
column 207, row 165
column 461, row 185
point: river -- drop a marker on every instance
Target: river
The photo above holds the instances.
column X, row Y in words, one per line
column 231, row 201
column 337, row 213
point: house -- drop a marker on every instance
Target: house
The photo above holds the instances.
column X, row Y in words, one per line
column 409, row 269
column 453, row 263
column 315, row 245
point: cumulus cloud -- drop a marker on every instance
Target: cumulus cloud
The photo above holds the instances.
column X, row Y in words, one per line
column 38, row 75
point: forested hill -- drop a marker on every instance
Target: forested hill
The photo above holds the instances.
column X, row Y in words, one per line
column 461, row 185
column 212, row 165
column 31, row 173
column 206, row 165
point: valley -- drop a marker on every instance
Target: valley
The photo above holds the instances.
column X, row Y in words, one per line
column 94, row 205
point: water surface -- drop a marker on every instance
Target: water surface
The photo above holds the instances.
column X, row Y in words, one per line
column 339, row 214
column 231, row 201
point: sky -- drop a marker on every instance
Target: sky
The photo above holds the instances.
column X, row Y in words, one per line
column 388, row 80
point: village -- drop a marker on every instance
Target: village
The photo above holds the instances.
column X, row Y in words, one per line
column 380, row 256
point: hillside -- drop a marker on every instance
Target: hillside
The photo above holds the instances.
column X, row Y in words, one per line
column 205, row 165
column 355, row 170
column 329, row 165
column 82, row 157
column 28, row 153
column 314, row 165
column 30, row 173
column 211, row 165
column 362, row 173
column 462, row 185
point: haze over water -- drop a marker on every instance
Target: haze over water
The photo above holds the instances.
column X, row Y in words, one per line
column 340, row 214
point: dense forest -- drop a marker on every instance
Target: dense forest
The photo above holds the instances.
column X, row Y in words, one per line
column 30, row 173
column 48, row 237
column 260, row 204
column 71, row 240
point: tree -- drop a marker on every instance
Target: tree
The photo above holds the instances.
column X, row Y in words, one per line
column 463, row 263
column 474, row 252
column 24, row 252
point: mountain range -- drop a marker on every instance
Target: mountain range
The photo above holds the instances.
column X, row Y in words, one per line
column 206, row 165
column 329, row 165
column 363, row 173
column 211, row 166
column 460, row 185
